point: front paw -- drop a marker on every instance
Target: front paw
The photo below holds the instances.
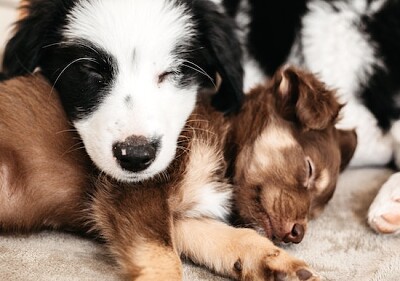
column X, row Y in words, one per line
column 384, row 213
column 277, row 265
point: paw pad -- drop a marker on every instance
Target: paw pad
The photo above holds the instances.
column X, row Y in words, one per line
column 304, row 274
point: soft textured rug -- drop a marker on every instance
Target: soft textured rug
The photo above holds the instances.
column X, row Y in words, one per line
column 339, row 245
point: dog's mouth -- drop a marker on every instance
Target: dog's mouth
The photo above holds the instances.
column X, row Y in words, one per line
column 266, row 223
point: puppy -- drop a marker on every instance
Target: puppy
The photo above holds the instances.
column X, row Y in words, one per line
column 128, row 72
column 353, row 47
column 288, row 154
column 146, row 225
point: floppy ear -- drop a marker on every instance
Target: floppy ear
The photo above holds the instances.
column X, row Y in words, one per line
column 225, row 50
column 347, row 143
column 300, row 95
column 33, row 31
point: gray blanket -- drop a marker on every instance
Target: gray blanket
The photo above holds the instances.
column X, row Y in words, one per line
column 339, row 245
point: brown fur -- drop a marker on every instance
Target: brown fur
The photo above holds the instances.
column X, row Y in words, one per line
column 42, row 170
column 270, row 179
column 148, row 225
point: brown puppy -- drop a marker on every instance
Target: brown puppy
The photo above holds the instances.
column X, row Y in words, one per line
column 44, row 182
column 288, row 154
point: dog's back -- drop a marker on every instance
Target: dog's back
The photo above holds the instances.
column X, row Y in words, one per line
column 42, row 175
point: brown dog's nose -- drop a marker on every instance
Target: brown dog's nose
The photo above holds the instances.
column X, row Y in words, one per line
column 296, row 234
column 136, row 153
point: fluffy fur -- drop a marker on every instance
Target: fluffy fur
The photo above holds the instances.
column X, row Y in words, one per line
column 128, row 72
column 352, row 45
column 146, row 225
column 288, row 160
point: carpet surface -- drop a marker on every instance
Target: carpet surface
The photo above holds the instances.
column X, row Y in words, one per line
column 339, row 245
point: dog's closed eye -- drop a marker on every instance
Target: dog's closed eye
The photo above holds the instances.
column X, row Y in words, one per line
column 310, row 170
column 165, row 75
column 92, row 69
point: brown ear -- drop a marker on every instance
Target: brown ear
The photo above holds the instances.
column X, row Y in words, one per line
column 303, row 97
column 347, row 143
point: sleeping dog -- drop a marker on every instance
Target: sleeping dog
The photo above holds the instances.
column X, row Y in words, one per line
column 128, row 72
column 148, row 223
column 286, row 154
column 353, row 46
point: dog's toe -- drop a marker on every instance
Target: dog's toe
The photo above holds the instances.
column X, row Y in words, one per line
column 384, row 213
column 388, row 222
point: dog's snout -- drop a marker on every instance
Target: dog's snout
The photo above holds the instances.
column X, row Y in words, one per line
column 295, row 235
column 136, row 153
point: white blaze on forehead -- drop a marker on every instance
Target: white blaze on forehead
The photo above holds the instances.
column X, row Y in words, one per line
column 268, row 147
column 275, row 138
column 119, row 26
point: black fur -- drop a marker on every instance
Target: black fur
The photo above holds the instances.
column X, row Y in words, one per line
column 35, row 45
column 274, row 26
column 218, row 34
column 383, row 88
column 273, row 29
column 24, row 51
column 85, row 83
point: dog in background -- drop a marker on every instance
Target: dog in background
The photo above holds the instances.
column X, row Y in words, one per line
column 128, row 72
column 47, row 182
column 352, row 46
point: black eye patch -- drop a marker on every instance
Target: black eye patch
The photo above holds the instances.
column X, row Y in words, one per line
column 81, row 73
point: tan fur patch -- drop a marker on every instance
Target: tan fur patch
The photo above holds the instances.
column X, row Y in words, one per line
column 268, row 147
column 323, row 180
column 154, row 261
column 203, row 192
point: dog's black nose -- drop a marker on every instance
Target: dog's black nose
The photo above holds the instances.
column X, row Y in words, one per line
column 136, row 153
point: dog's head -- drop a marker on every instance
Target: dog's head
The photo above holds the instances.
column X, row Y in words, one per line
column 287, row 171
column 128, row 72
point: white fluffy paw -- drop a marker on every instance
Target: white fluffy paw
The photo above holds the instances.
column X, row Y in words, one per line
column 384, row 213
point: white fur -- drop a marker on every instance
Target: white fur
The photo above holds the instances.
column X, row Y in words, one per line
column 205, row 196
column 141, row 36
column 384, row 212
column 326, row 32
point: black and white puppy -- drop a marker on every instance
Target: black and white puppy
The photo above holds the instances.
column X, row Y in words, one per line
column 354, row 46
column 128, row 71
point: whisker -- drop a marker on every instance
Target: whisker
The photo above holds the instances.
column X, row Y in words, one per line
column 72, row 149
column 65, row 68
column 199, row 70
column 68, row 43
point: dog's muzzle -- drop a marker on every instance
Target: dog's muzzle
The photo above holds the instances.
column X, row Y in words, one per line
column 136, row 153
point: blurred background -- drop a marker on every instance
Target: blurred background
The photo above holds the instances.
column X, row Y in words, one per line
column 8, row 14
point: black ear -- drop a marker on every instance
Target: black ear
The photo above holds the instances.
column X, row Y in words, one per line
column 33, row 32
column 225, row 49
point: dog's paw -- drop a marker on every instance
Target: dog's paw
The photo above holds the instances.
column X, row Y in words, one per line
column 384, row 213
column 277, row 265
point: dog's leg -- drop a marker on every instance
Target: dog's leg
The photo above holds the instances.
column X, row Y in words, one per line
column 384, row 212
column 136, row 225
column 238, row 253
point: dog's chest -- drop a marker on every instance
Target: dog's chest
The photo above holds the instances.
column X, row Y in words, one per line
column 203, row 190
